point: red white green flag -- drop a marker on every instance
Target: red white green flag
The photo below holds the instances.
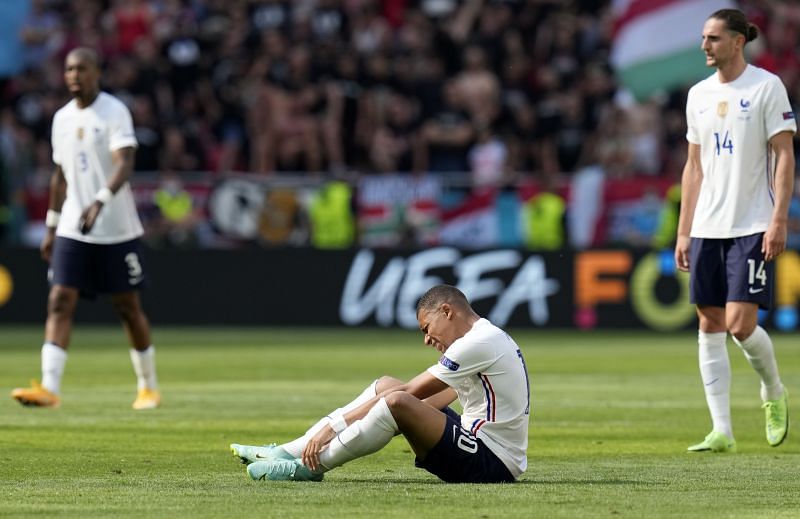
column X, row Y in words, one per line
column 657, row 43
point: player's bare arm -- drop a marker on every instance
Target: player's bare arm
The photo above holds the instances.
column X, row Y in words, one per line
column 122, row 160
column 58, row 192
column 422, row 386
column 775, row 238
column 690, row 189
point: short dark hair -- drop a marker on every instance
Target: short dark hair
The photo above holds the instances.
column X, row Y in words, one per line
column 440, row 294
column 736, row 21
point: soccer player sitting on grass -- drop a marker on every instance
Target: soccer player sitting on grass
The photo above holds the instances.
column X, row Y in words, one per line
column 480, row 365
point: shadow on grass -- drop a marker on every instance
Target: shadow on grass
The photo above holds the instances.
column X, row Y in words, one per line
column 524, row 482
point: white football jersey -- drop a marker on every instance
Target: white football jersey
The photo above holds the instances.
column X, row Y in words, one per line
column 486, row 369
column 732, row 123
column 83, row 140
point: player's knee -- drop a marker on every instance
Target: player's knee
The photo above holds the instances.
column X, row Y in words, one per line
column 398, row 400
column 742, row 330
column 386, row 382
column 741, row 325
column 60, row 303
column 126, row 309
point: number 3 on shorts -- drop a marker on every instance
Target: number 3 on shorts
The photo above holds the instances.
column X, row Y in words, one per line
column 134, row 267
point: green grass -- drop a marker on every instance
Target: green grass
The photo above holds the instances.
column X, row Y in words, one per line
column 612, row 416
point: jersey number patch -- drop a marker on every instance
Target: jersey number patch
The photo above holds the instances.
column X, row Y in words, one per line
column 756, row 273
column 464, row 442
column 725, row 144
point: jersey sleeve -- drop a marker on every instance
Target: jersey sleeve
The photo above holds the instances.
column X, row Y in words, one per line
column 121, row 133
column 692, row 135
column 463, row 360
column 55, row 131
column 778, row 114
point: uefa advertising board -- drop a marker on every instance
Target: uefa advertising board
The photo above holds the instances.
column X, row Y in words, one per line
column 603, row 289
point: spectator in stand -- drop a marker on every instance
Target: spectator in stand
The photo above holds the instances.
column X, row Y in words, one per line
column 395, row 143
column 292, row 140
column 446, row 137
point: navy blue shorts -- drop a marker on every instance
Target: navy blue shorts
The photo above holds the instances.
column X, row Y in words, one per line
column 730, row 269
column 460, row 457
column 97, row 268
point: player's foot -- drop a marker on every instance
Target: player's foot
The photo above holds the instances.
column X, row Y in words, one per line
column 147, row 399
column 715, row 442
column 35, row 396
column 282, row 470
column 777, row 414
column 253, row 453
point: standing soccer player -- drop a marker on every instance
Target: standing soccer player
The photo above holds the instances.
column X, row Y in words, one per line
column 93, row 230
column 736, row 189
column 480, row 365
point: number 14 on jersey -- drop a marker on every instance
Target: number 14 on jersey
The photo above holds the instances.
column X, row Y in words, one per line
column 725, row 144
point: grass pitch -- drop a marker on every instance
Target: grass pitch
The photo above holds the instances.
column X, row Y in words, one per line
column 612, row 416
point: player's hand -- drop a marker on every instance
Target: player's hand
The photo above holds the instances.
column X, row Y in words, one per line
column 46, row 247
column 315, row 445
column 774, row 242
column 89, row 217
column 682, row 245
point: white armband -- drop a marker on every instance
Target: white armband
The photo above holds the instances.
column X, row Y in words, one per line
column 52, row 218
column 104, row 195
column 338, row 423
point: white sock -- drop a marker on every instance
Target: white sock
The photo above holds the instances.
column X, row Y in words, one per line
column 362, row 437
column 54, row 358
column 715, row 370
column 144, row 365
column 295, row 447
column 760, row 354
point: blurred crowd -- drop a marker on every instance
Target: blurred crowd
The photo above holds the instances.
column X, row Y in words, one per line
column 496, row 88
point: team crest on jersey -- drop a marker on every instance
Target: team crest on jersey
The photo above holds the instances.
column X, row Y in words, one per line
column 449, row 364
column 745, row 105
column 722, row 108
column 80, row 134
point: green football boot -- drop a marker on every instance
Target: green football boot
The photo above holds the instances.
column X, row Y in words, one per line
column 777, row 415
column 715, row 442
column 253, row 453
column 282, row 470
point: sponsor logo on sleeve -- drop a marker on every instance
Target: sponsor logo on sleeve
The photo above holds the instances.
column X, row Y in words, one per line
column 788, row 115
column 449, row 364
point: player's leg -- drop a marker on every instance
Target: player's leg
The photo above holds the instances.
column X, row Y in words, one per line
column 751, row 280
column 128, row 307
column 123, row 275
column 421, row 424
column 70, row 275
column 715, row 372
column 294, row 448
column 61, row 305
column 707, row 290
column 358, row 439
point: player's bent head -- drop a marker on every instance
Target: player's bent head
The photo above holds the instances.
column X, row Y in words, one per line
column 736, row 23
column 438, row 295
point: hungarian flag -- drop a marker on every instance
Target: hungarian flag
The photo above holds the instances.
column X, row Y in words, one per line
column 657, row 43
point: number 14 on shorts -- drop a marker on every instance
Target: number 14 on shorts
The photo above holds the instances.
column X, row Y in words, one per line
column 756, row 273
